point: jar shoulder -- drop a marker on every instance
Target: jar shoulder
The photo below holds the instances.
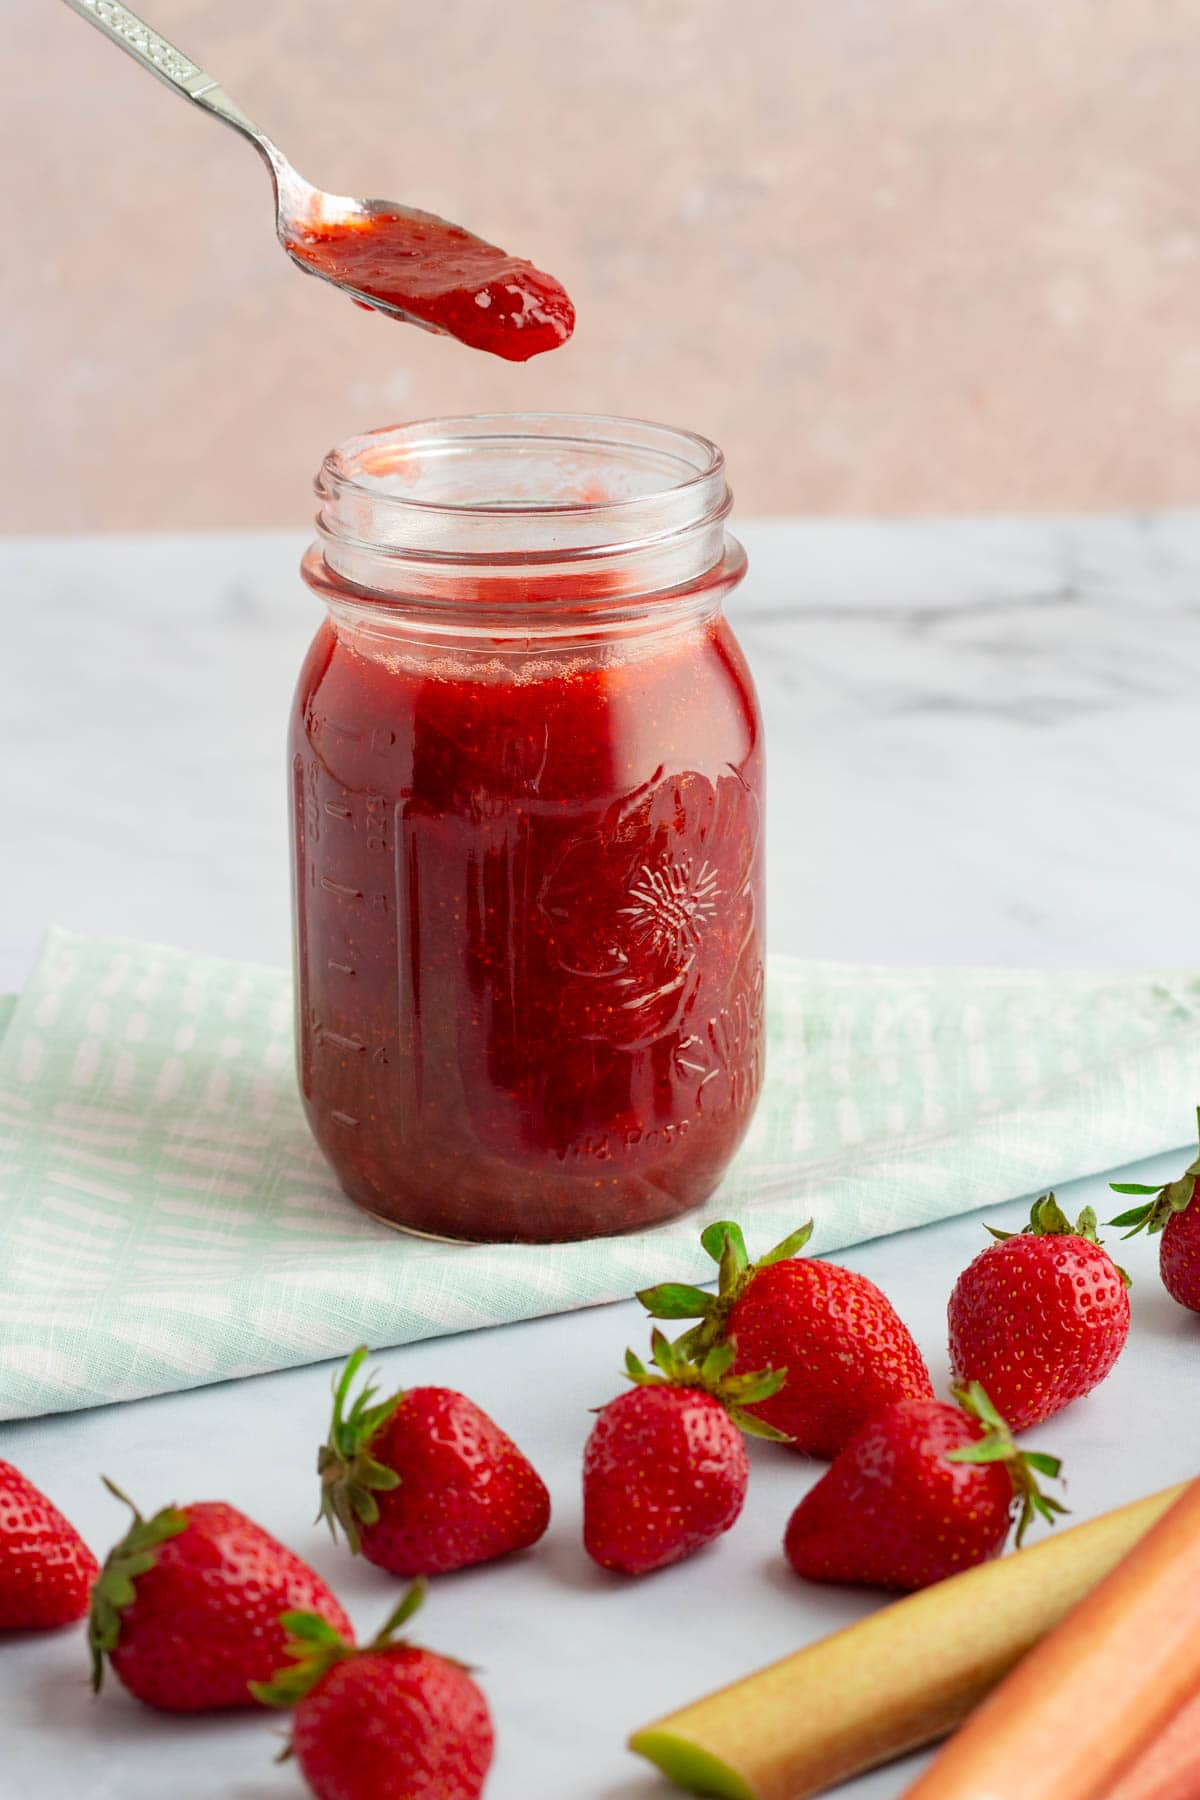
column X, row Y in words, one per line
column 575, row 727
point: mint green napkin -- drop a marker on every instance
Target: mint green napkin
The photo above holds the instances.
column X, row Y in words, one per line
column 165, row 1219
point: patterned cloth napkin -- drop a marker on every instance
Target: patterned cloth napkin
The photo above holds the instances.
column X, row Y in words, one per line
column 166, row 1220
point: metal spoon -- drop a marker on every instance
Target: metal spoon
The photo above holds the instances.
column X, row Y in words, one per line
column 298, row 206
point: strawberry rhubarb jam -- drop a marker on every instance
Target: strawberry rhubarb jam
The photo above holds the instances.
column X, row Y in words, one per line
column 440, row 276
column 527, row 818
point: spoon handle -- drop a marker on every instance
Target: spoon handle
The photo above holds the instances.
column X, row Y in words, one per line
column 163, row 59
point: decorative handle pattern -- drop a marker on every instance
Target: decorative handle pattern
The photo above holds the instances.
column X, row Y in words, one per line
column 138, row 37
column 153, row 51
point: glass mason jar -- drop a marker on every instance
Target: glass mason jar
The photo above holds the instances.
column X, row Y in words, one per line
column 527, row 777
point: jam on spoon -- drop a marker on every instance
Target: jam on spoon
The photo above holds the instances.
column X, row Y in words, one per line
column 437, row 275
column 393, row 259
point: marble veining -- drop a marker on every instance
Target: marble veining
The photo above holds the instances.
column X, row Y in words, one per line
column 980, row 737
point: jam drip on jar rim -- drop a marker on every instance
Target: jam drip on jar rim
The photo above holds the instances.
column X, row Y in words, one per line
column 441, row 276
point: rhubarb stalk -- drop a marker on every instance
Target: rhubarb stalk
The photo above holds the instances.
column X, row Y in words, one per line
column 1169, row 1769
column 899, row 1679
column 1084, row 1705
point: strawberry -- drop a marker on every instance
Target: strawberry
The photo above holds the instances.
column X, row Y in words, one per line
column 844, row 1348
column 46, row 1569
column 665, row 1469
column 1040, row 1316
column 1172, row 1213
column 187, row 1606
column 922, row 1490
column 425, row 1482
column 388, row 1722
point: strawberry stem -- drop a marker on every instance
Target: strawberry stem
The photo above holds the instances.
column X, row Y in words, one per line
column 724, row 1242
column 1047, row 1219
column 115, row 1587
column 350, row 1475
column 1173, row 1197
column 675, row 1366
column 315, row 1647
column 998, row 1445
column 412, row 1602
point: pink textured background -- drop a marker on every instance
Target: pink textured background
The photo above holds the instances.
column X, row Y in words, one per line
column 893, row 254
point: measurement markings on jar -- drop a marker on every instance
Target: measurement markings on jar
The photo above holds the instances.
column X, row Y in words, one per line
column 339, row 1040
column 342, row 890
column 377, row 824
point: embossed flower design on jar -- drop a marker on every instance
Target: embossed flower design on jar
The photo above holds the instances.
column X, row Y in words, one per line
column 653, row 909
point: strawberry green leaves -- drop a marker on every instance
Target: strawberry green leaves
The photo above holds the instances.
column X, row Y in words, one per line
column 791, row 1246
column 998, row 1445
column 724, row 1242
column 1048, row 1219
column 115, row 1587
column 676, row 1300
column 314, row 1647
column 674, row 1367
column 350, row 1475
column 1173, row 1197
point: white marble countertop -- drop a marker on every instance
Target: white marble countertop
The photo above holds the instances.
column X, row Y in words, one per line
column 981, row 751
column 980, row 738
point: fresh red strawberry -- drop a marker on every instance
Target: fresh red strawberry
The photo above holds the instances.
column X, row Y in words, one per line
column 922, row 1490
column 388, row 1722
column 1040, row 1316
column 426, row 1482
column 665, row 1469
column 46, row 1569
column 1172, row 1213
column 845, row 1350
column 187, row 1606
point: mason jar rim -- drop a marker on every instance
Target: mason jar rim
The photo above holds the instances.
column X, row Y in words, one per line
column 341, row 464
column 501, row 512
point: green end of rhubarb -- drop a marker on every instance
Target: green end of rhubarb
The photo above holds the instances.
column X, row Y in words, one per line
column 695, row 1770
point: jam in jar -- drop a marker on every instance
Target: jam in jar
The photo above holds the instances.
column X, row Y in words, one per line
column 527, row 787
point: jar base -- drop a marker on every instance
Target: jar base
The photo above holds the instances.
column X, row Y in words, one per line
column 430, row 1237
column 674, row 1210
